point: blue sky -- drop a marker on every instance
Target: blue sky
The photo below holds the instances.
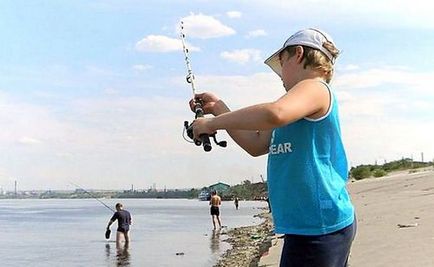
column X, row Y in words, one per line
column 94, row 92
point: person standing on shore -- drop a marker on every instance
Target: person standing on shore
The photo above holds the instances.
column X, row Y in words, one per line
column 124, row 221
column 307, row 166
column 268, row 204
column 236, row 202
column 215, row 203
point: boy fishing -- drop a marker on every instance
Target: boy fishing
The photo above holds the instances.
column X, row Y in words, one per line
column 307, row 165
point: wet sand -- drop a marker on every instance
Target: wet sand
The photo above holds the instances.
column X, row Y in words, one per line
column 395, row 216
column 248, row 243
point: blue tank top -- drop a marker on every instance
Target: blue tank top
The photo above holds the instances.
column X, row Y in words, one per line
column 307, row 175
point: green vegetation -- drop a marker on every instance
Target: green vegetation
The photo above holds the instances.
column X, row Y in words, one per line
column 175, row 193
column 365, row 171
column 247, row 190
column 379, row 173
column 361, row 172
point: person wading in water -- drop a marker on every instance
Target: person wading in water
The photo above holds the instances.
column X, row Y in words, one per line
column 215, row 202
column 124, row 221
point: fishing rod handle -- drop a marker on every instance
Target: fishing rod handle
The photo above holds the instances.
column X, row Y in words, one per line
column 204, row 138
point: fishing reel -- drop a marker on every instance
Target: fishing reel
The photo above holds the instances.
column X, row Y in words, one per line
column 203, row 138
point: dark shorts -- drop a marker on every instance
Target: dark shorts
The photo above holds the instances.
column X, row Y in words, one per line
column 215, row 210
column 123, row 229
column 329, row 250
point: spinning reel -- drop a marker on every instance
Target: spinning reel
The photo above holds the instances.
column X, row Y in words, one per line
column 204, row 138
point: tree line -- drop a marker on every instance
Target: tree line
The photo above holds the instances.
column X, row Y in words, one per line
column 367, row 170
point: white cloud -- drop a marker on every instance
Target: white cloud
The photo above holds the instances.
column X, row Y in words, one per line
column 27, row 123
column 242, row 56
column 385, row 137
column 141, row 67
column 256, row 33
column 234, row 14
column 386, row 113
column 204, row 27
column 397, row 76
column 111, row 91
column 106, row 136
column 386, row 92
column 161, row 44
column 25, row 140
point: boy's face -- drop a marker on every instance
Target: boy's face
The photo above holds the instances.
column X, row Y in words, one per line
column 283, row 57
column 287, row 63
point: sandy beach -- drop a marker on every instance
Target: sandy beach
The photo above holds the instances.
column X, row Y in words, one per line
column 395, row 216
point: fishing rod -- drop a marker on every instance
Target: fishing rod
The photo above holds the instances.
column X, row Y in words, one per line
column 76, row 185
column 197, row 108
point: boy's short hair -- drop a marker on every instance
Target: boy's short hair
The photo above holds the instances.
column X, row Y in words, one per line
column 119, row 205
column 316, row 60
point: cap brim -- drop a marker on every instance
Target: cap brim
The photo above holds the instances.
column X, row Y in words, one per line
column 274, row 62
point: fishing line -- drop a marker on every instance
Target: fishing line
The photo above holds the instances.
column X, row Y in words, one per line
column 190, row 75
column 90, row 194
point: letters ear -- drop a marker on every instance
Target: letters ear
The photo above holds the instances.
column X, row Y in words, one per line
column 280, row 148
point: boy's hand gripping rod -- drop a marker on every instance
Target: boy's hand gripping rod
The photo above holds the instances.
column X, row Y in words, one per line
column 198, row 110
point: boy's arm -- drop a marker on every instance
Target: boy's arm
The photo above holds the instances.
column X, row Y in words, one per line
column 307, row 98
column 253, row 142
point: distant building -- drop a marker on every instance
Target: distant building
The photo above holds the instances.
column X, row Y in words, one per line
column 219, row 187
column 205, row 193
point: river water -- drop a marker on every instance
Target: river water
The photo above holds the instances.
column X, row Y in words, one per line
column 59, row 232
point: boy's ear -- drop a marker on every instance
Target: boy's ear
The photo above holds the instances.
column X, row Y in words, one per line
column 299, row 51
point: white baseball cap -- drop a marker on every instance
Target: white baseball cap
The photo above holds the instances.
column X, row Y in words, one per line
column 311, row 37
